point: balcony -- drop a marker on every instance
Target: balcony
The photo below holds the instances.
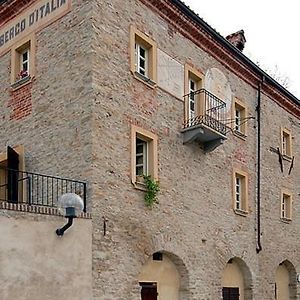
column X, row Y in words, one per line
column 37, row 189
column 205, row 119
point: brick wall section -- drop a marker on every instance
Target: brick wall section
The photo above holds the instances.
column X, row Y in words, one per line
column 20, row 102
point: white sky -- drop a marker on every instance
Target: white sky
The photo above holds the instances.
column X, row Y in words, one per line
column 271, row 30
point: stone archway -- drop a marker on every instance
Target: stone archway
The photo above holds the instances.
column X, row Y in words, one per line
column 237, row 280
column 166, row 273
column 285, row 281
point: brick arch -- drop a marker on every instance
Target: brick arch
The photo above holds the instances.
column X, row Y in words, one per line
column 292, row 278
column 247, row 276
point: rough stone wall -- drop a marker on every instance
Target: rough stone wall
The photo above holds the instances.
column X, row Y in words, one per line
column 194, row 219
column 279, row 239
column 56, row 131
column 84, row 100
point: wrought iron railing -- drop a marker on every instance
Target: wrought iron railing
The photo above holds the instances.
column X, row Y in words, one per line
column 205, row 108
column 37, row 189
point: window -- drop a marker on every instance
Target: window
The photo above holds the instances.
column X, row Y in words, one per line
column 240, row 192
column 142, row 60
column 239, row 119
column 143, row 57
column 193, row 83
column 286, row 206
column 144, row 154
column 286, row 143
column 22, row 61
column 141, row 157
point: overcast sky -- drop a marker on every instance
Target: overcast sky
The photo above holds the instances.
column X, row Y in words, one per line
column 271, row 30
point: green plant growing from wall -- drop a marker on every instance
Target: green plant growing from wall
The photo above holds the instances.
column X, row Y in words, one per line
column 152, row 188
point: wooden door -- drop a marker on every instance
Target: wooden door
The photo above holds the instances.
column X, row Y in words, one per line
column 149, row 291
column 230, row 293
column 12, row 175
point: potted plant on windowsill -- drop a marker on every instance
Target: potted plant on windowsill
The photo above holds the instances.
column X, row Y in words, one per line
column 22, row 74
column 22, row 77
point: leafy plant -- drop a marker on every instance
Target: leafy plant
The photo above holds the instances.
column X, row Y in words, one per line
column 152, row 189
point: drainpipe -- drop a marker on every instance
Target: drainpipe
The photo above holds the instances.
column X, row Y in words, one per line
column 258, row 110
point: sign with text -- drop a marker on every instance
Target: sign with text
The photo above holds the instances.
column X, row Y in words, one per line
column 32, row 19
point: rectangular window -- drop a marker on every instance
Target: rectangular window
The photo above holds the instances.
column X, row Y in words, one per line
column 144, row 158
column 286, row 143
column 240, row 192
column 193, row 101
column 286, row 206
column 22, row 61
column 239, row 119
column 141, row 157
column 142, row 60
column 143, row 57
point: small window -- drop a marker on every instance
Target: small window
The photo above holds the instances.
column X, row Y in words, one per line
column 240, row 192
column 286, row 143
column 144, row 154
column 141, row 157
column 193, row 105
column 239, row 119
column 22, row 61
column 143, row 57
column 286, row 206
column 142, row 60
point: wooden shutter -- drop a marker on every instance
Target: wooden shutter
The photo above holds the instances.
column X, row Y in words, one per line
column 231, row 293
column 12, row 175
column 149, row 291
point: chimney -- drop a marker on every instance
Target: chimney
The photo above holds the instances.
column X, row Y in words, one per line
column 237, row 39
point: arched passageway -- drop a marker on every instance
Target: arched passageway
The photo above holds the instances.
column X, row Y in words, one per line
column 236, row 280
column 164, row 274
column 285, row 282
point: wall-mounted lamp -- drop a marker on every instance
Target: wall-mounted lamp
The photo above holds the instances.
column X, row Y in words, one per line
column 70, row 205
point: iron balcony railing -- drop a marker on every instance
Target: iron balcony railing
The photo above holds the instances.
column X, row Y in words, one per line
column 37, row 189
column 205, row 108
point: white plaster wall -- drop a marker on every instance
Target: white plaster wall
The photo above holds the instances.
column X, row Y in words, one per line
column 35, row 264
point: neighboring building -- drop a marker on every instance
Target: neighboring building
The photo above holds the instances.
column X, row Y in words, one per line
column 104, row 92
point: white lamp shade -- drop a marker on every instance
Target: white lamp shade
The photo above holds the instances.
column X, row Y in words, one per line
column 70, row 200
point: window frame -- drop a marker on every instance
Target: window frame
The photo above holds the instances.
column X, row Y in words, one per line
column 152, row 156
column 142, row 40
column 286, row 151
column 243, row 208
column 28, row 43
column 192, row 74
column 239, row 105
column 286, row 213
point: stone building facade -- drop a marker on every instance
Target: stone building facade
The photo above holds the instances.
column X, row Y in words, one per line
column 105, row 92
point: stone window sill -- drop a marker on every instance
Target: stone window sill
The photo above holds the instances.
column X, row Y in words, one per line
column 287, row 157
column 145, row 79
column 286, row 220
column 240, row 135
column 139, row 184
column 240, row 212
column 20, row 83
